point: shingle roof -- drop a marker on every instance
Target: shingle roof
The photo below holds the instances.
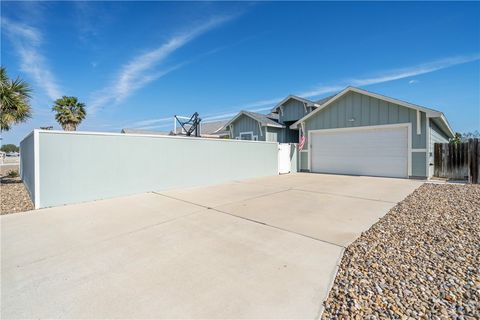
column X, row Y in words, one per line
column 265, row 120
column 209, row 128
column 212, row 127
column 325, row 100
column 291, row 96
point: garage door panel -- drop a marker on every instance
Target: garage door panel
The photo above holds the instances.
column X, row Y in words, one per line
column 378, row 152
column 361, row 167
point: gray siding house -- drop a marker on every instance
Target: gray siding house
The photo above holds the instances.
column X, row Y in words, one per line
column 352, row 132
column 255, row 126
column 274, row 126
column 360, row 132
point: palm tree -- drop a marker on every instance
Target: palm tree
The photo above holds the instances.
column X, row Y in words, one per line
column 14, row 101
column 70, row 112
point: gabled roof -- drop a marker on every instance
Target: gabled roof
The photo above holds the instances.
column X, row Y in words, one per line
column 325, row 100
column 212, row 127
column 309, row 103
column 219, row 129
column 209, row 128
column 264, row 120
column 430, row 112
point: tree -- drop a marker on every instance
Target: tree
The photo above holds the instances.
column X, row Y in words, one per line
column 69, row 112
column 457, row 138
column 9, row 148
column 14, row 101
column 464, row 137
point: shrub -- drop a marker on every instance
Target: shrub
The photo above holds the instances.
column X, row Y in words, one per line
column 12, row 174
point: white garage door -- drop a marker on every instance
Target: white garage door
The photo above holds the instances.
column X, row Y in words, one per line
column 371, row 151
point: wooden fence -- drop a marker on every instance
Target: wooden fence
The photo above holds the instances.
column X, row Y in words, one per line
column 458, row 161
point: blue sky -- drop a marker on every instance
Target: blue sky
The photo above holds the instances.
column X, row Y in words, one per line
column 137, row 64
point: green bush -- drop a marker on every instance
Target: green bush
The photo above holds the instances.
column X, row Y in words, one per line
column 12, row 174
column 9, row 148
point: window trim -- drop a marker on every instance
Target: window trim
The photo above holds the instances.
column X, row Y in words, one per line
column 253, row 137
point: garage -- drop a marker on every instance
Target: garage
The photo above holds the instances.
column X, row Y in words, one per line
column 372, row 150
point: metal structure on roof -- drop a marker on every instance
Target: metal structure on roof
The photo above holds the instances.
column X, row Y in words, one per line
column 191, row 125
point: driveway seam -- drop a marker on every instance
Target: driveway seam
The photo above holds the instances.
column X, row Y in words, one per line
column 343, row 195
column 270, row 185
column 278, row 228
column 182, row 200
column 223, row 204
column 299, row 188
column 251, row 220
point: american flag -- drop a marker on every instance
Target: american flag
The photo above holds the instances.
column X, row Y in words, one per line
column 302, row 140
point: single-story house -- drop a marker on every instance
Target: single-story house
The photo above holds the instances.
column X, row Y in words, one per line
column 352, row 132
column 212, row 129
column 209, row 129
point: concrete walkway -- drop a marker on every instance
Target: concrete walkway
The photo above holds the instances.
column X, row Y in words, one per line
column 263, row 248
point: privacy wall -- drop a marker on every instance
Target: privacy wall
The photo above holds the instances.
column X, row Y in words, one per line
column 27, row 164
column 83, row 166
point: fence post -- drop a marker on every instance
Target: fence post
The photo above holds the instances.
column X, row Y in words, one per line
column 473, row 160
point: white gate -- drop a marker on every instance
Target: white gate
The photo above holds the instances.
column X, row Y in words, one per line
column 284, row 164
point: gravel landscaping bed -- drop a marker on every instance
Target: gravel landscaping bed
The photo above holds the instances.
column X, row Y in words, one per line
column 13, row 196
column 420, row 261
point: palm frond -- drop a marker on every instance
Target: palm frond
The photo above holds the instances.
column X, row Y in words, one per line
column 69, row 112
column 14, row 101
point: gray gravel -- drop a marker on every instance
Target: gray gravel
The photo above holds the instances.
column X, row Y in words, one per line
column 13, row 196
column 420, row 261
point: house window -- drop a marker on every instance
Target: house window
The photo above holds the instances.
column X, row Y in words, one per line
column 247, row 136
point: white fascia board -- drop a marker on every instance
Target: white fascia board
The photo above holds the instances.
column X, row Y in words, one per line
column 295, row 125
column 232, row 120
column 444, row 119
column 273, row 126
column 291, row 96
column 429, row 112
column 246, row 114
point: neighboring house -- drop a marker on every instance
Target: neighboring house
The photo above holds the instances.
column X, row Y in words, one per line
column 274, row 126
column 209, row 129
column 352, row 132
column 255, row 126
column 212, row 129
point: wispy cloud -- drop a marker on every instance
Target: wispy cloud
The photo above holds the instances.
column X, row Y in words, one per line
column 150, row 122
column 395, row 74
column 413, row 81
column 86, row 18
column 27, row 41
column 267, row 104
column 138, row 72
column 159, row 123
column 386, row 76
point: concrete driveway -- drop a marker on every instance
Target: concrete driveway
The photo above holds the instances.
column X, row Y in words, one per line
column 262, row 248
